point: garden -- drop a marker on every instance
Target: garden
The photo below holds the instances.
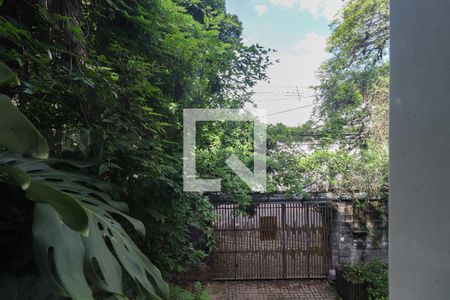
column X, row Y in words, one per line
column 91, row 154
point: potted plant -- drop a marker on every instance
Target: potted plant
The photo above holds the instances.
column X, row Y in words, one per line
column 349, row 283
column 363, row 281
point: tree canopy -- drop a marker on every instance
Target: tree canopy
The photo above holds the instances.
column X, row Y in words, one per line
column 108, row 81
column 343, row 148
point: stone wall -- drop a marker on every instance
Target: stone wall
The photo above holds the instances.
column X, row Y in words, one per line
column 359, row 233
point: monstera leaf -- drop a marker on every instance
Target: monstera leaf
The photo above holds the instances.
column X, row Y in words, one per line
column 79, row 246
column 6, row 75
column 16, row 131
column 102, row 252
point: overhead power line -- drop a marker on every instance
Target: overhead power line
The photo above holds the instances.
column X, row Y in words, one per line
column 275, row 99
column 290, row 86
column 288, row 110
column 281, row 92
column 280, row 99
column 298, row 94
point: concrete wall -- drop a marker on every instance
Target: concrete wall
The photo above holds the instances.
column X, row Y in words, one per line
column 419, row 250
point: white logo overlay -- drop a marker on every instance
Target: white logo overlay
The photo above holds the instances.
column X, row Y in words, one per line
column 256, row 180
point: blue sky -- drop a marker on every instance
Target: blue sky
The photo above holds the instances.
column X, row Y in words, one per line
column 298, row 30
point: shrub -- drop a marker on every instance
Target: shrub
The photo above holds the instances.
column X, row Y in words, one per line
column 197, row 292
column 374, row 273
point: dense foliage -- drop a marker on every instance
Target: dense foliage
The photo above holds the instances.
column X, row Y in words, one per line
column 354, row 82
column 373, row 273
column 354, row 89
column 79, row 247
column 343, row 149
column 197, row 292
column 109, row 79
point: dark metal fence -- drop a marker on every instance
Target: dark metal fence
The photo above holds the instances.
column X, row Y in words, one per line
column 275, row 240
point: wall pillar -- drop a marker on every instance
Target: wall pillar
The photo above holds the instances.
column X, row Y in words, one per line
column 419, row 238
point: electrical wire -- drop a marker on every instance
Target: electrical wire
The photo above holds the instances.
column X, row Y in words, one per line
column 288, row 110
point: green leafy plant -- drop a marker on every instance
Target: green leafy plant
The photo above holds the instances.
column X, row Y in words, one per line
column 109, row 80
column 196, row 292
column 374, row 273
column 80, row 248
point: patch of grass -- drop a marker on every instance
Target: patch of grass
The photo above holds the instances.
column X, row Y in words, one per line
column 197, row 292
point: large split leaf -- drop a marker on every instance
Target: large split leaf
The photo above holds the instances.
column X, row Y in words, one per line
column 13, row 175
column 15, row 170
column 17, row 133
column 59, row 246
column 69, row 210
column 6, row 74
column 102, row 253
column 79, row 247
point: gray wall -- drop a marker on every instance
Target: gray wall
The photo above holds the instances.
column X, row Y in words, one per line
column 353, row 243
column 419, row 237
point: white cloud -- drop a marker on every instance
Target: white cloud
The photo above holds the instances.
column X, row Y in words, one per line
column 318, row 8
column 297, row 68
column 260, row 9
column 321, row 8
column 283, row 3
column 312, row 44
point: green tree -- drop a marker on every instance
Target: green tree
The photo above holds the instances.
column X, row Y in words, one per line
column 343, row 149
column 108, row 80
column 352, row 110
column 79, row 247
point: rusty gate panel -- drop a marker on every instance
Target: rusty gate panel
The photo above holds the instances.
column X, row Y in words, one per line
column 276, row 240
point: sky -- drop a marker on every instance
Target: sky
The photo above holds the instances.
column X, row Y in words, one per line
column 298, row 30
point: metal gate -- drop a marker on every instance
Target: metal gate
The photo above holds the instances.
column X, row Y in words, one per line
column 275, row 240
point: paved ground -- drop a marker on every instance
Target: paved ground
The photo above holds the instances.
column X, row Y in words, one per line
column 271, row 290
